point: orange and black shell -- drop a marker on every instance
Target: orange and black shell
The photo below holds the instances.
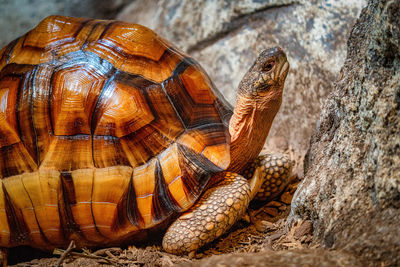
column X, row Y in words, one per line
column 105, row 130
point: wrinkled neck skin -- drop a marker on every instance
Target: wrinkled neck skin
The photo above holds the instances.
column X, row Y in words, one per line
column 249, row 126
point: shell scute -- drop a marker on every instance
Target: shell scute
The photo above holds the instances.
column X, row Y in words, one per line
column 144, row 144
column 122, row 110
column 190, row 113
column 53, row 37
column 8, row 121
column 73, row 99
column 110, row 152
column 135, row 49
column 197, row 85
column 68, row 153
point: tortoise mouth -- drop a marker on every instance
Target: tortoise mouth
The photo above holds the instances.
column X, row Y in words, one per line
column 283, row 71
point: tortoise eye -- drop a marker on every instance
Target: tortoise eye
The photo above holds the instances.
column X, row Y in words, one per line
column 269, row 65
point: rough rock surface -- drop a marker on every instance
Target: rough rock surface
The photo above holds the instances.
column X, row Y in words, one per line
column 19, row 16
column 226, row 36
column 351, row 189
column 192, row 23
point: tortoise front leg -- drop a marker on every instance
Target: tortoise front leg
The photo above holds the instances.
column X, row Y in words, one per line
column 215, row 212
column 274, row 171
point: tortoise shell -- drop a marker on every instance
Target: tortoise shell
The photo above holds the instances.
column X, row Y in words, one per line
column 105, row 130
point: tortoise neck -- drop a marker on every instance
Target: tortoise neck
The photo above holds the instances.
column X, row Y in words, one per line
column 249, row 127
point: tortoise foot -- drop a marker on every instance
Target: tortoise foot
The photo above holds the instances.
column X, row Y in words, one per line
column 216, row 211
column 275, row 170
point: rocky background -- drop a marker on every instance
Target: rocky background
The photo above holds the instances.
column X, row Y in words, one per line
column 341, row 104
column 351, row 189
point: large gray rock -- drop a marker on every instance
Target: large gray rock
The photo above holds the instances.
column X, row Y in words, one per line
column 351, row 188
column 192, row 23
column 226, row 36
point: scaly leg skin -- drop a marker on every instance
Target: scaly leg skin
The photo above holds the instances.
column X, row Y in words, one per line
column 3, row 256
column 214, row 213
column 275, row 170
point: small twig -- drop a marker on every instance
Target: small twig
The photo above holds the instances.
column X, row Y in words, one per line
column 110, row 255
column 85, row 254
column 65, row 253
column 102, row 252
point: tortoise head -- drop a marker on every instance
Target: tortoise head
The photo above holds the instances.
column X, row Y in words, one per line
column 267, row 74
column 258, row 100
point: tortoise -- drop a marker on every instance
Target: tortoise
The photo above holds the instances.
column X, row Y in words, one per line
column 108, row 133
